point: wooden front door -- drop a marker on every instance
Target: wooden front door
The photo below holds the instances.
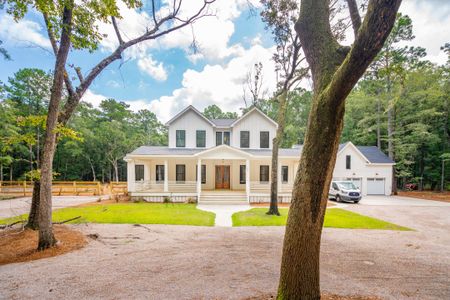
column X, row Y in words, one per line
column 222, row 177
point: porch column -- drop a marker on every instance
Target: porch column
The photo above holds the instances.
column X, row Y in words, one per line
column 247, row 179
column 199, row 178
column 131, row 180
column 166, row 176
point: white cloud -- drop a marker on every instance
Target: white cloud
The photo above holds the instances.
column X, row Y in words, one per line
column 22, row 32
column 216, row 84
column 95, row 99
column 431, row 26
column 152, row 68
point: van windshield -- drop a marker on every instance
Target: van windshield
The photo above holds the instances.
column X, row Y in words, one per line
column 347, row 185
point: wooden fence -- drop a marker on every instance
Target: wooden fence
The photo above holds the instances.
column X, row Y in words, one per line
column 65, row 188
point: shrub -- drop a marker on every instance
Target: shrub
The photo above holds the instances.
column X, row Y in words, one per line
column 167, row 199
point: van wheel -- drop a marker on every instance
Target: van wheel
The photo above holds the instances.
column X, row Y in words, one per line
column 338, row 198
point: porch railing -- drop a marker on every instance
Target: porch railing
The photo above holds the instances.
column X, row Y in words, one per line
column 258, row 187
column 173, row 186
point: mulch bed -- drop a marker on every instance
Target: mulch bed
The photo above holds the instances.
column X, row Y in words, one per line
column 427, row 195
column 329, row 204
column 18, row 245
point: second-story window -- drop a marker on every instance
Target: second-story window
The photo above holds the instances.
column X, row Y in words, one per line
column 201, row 138
column 219, row 138
column 226, row 138
column 348, row 162
column 264, row 139
column 181, row 138
column 245, row 139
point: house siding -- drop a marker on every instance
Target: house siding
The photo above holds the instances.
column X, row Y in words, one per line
column 254, row 123
column 191, row 122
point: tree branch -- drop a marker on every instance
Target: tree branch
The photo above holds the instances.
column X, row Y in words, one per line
column 152, row 34
column 116, row 29
column 375, row 29
column 354, row 15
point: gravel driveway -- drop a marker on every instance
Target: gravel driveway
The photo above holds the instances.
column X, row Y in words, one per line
column 19, row 206
column 188, row 262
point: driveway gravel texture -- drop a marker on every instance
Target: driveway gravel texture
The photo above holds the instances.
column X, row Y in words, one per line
column 190, row 262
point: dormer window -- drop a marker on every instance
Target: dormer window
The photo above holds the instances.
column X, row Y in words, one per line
column 264, row 139
column 245, row 139
column 348, row 162
column 201, row 138
column 181, row 138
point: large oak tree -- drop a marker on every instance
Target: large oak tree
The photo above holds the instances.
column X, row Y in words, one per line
column 335, row 70
column 73, row 24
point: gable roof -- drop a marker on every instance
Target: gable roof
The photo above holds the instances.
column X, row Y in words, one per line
column 249, row 112
column 371, row 153
column 190, row 107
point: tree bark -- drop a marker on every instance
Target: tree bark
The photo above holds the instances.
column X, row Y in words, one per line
column 378, row 121
column 33, row 217
column 46, row 237
column 335, row 70
column 281, row 120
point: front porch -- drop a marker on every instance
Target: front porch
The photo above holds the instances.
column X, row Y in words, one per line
column 213, row 176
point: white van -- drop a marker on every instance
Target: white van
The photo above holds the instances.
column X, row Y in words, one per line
column 344, row 191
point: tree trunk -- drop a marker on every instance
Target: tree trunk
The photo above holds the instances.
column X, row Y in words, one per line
column 30, row 149
column 33, row 217
column 92, row 169
column 335, row 71
column 300, row 276
column 1, row 172
column 46, row 237
column 281, row 120
column 11, row 172
column 378, row 121
column 116, row 171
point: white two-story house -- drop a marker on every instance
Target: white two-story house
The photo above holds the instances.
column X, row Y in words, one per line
column 230, row 160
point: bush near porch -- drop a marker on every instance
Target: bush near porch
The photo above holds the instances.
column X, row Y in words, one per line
column 334, row 217
column 132, row 213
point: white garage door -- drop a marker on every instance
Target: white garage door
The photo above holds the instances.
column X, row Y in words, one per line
column 356, row 181
column 375, row 186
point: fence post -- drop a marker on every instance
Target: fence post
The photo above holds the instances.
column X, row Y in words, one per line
column 75, row 187
column 1, row 185
column 24, row 187
column 98, row 189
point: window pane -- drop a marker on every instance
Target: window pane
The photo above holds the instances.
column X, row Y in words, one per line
column 264, row 173
column 139, row 172
column 218, row 138
column 226, row 138
column 348, row 162
column 201, row 138
column 180, row 173
column 242, row 174
column 203, row 174
column 284, row 173
column 264, row 139
column 181, row 138
column 245, row 139
column 159, row 172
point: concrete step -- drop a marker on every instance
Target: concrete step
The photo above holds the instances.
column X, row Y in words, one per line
column 223, row 199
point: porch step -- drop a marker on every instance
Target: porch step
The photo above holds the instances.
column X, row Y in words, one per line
column 223, row 199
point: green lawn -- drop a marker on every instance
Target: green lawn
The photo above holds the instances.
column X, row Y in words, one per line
column 133, row 213
column 334, row 217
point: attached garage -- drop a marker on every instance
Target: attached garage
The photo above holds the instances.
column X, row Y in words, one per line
column 375, row 186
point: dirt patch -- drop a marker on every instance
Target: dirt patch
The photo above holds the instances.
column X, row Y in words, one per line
column 17, row 245
column 323, row 297
column 427, row 195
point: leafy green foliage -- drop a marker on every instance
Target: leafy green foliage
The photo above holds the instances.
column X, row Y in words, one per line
column 214, row 112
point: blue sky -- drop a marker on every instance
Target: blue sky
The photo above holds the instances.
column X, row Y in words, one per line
column 165, row 76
